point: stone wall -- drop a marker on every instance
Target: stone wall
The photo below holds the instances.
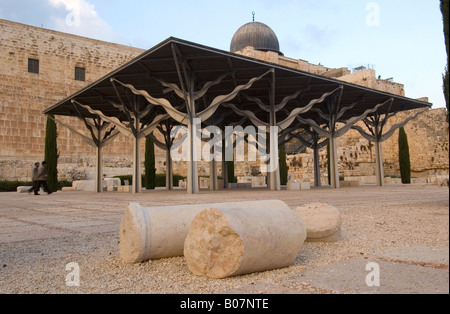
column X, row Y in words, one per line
column 368, row 79
column 24, row 95
column 429, row 150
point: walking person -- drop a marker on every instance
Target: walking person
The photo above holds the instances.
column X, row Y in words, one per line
column 34, row 177
column 42, row 179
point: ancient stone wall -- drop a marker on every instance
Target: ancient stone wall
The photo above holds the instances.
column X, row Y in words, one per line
column 368, row 79
column 24, row 96
column 429, row 150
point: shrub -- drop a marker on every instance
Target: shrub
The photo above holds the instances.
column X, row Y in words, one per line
column 160, row 179
column 284, row 169
column 230, row 171
column 11, row 186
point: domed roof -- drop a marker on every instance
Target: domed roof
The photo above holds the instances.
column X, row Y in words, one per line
column 255, row 34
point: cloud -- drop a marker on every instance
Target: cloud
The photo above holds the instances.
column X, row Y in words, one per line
column 82, row 19
column 77, row 17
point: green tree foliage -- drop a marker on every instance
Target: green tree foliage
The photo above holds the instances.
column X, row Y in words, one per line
column 150, row 169
column 445, row 16
column 328, row 164
column 51, row 153
column 284, row 169
column 230, row 172
column 404, row 157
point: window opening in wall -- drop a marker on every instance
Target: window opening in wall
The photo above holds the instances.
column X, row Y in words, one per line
column 33, row 66
column 80, row 74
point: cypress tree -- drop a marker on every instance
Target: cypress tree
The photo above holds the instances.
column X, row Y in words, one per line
column 444, row 10
column 404, row 157
column 51, row 153
column 230, row 172
column 150, row 169
column 284, row 169
column 328, row 164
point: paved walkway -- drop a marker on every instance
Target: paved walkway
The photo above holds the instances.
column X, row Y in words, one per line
column 418, row 268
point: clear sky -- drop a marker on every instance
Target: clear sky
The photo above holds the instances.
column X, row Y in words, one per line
column 400, row 39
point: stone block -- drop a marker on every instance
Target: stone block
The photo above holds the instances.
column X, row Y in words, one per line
column 323, row 222
column 84, row 185
column 352, row 183
column 68, row 189
column 23, row 189
column 203, row 183
column 305, row 186
column 112, row 184
column 182, row 184
column 125, row 189
column 293, row 186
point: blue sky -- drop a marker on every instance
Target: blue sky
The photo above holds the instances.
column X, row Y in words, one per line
column 398, row 38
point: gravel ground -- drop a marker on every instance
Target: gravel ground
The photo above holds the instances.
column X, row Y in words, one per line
column 39, row 236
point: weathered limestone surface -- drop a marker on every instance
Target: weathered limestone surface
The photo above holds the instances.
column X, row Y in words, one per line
column 148, row 233
column 323, row 222
column 236, row 241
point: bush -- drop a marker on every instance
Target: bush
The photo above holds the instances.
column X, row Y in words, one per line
column 160, row 179
column 284, row 168
column 11, row 186
column 149, row 181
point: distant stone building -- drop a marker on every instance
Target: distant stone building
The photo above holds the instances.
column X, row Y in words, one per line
column 40, row 67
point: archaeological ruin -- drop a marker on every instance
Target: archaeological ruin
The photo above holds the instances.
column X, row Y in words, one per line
column 43, row 70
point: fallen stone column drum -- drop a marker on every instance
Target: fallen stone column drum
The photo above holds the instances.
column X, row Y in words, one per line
column 323, row 222
column 148, row 233
column 235, row 241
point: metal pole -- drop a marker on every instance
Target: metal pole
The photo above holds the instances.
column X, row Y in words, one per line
column 334, row 171
column 99, row 157
column 275, row 181
column 169, row 171
column 379, row 163
column 194, row 141
column 317, row 180
column 213, row 186
column 224, row 164
column 99, row 172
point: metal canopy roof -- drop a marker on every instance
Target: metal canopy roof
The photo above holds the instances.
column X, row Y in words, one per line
column 206, row 64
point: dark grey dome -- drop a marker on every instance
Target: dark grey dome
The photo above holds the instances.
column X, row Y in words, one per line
column 255, row 34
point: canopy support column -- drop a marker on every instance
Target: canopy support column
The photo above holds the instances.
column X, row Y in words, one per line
column 224, row 163
column 169, row 171
column 99, row 160
column 375, row 124
column 379, row 168
column 213, row 185
column 334, row 170
column 317, row 180
column 137, row 179
column 275, row 181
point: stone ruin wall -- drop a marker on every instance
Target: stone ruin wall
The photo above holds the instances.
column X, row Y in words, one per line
column 24, row 96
